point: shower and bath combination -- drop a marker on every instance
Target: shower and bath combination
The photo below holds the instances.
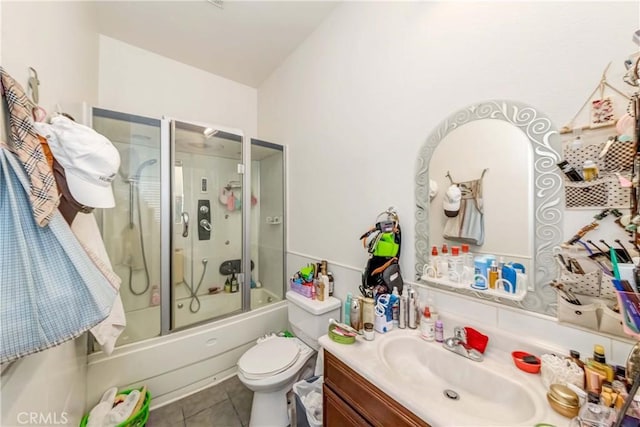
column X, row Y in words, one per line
column 134, row 255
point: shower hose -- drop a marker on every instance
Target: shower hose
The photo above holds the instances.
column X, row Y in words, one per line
column 194, row 293
column 144, row 257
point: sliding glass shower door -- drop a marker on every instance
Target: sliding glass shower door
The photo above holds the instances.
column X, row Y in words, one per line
column 207, row 218
column 131, row 230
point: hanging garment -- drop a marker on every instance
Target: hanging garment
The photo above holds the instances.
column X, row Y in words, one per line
column 43, row 193
column 467, row 226
column 106, row 332
column 50, row 290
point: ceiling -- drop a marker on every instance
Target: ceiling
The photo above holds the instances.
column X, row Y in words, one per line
column 244, row 41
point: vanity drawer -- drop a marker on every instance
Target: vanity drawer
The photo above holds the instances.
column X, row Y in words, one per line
column 376, row 407
column 336, row 412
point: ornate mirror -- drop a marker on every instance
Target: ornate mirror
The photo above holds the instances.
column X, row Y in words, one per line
column 525, row 196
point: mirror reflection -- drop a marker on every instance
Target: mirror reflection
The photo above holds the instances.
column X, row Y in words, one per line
column 479, row 138
column 462, row 156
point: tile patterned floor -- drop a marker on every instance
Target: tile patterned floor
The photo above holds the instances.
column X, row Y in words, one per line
column 227, row 404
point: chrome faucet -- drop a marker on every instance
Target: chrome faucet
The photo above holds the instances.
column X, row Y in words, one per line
column 458, row 344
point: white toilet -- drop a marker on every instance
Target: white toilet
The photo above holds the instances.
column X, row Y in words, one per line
column 274, row 364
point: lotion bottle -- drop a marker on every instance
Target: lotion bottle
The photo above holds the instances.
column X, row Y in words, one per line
column 427, row 326
column 439, row 331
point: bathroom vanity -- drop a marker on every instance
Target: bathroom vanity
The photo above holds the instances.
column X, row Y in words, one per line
column 351, row 400
column 401, row 380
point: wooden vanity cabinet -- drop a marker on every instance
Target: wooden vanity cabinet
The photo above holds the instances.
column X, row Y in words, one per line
column 351, row 400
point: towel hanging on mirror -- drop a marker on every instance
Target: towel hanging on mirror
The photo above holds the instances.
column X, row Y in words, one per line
column 465, row 212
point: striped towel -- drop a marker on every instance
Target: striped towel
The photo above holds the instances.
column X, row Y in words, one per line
column 50, row 290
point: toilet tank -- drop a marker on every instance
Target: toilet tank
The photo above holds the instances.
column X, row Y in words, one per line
column 309, row 319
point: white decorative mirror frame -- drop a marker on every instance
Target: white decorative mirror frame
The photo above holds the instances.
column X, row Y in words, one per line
column 548, row 196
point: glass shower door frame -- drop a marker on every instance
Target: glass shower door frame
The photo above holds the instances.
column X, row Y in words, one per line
column 166, row 223
column 168, row 129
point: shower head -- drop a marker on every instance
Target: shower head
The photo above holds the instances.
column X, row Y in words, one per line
column 141, row 167
column 209, row 132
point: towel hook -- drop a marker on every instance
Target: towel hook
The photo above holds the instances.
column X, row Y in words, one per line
column 34, row 82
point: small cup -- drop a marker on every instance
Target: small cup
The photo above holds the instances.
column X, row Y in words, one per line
column 369, row 334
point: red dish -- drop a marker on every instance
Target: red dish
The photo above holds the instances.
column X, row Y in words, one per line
column 526, row 361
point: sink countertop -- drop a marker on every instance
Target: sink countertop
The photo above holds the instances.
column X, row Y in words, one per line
column 428, row 403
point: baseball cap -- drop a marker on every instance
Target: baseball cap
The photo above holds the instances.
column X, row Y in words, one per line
column 451, row 201
column 89, row 159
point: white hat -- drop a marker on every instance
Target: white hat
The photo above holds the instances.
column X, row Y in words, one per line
column 90, row 161
column 433, row 189
column 451, row 201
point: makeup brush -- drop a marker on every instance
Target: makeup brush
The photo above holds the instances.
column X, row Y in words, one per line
column 597, row 247
column 622, row 257
column 624, row 250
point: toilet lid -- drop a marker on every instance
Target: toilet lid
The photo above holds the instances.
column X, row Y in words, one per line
column 269, row 357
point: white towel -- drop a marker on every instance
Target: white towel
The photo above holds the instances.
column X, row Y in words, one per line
column 106, row 333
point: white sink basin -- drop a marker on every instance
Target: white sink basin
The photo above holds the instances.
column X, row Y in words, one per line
column 419, row 374
column 461, row 385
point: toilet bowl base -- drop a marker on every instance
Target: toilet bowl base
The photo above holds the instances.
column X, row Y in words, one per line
column 269, row 409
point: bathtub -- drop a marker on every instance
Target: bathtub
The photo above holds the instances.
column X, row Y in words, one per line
column 183, row 362
column 145, row 323
column 216, row 305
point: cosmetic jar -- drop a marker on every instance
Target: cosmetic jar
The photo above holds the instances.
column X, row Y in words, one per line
column 369, row 334
column 563, row 400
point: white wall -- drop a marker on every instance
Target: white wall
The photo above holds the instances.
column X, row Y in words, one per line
column 59, row 41
column 137, row 81
column 358, row 99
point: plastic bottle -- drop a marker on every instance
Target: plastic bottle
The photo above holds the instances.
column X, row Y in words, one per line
column 589, row 170
column 318, row 283
column 467, row 258
column 433, row 260
column 324, row 280
column 443, row 262
column 427, row 326
column 367, row 310
column 574, row 356
column 493, row 275
column 456, row 265
column 599, row 362
column 331, row 283
column 155, row 295
column 439, row 331
column 412, row 303
column 402, row 312
column 347, row 309
column 395, row 308
column 356, row 314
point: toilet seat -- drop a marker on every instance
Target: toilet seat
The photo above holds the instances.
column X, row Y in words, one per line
column 269, row 358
